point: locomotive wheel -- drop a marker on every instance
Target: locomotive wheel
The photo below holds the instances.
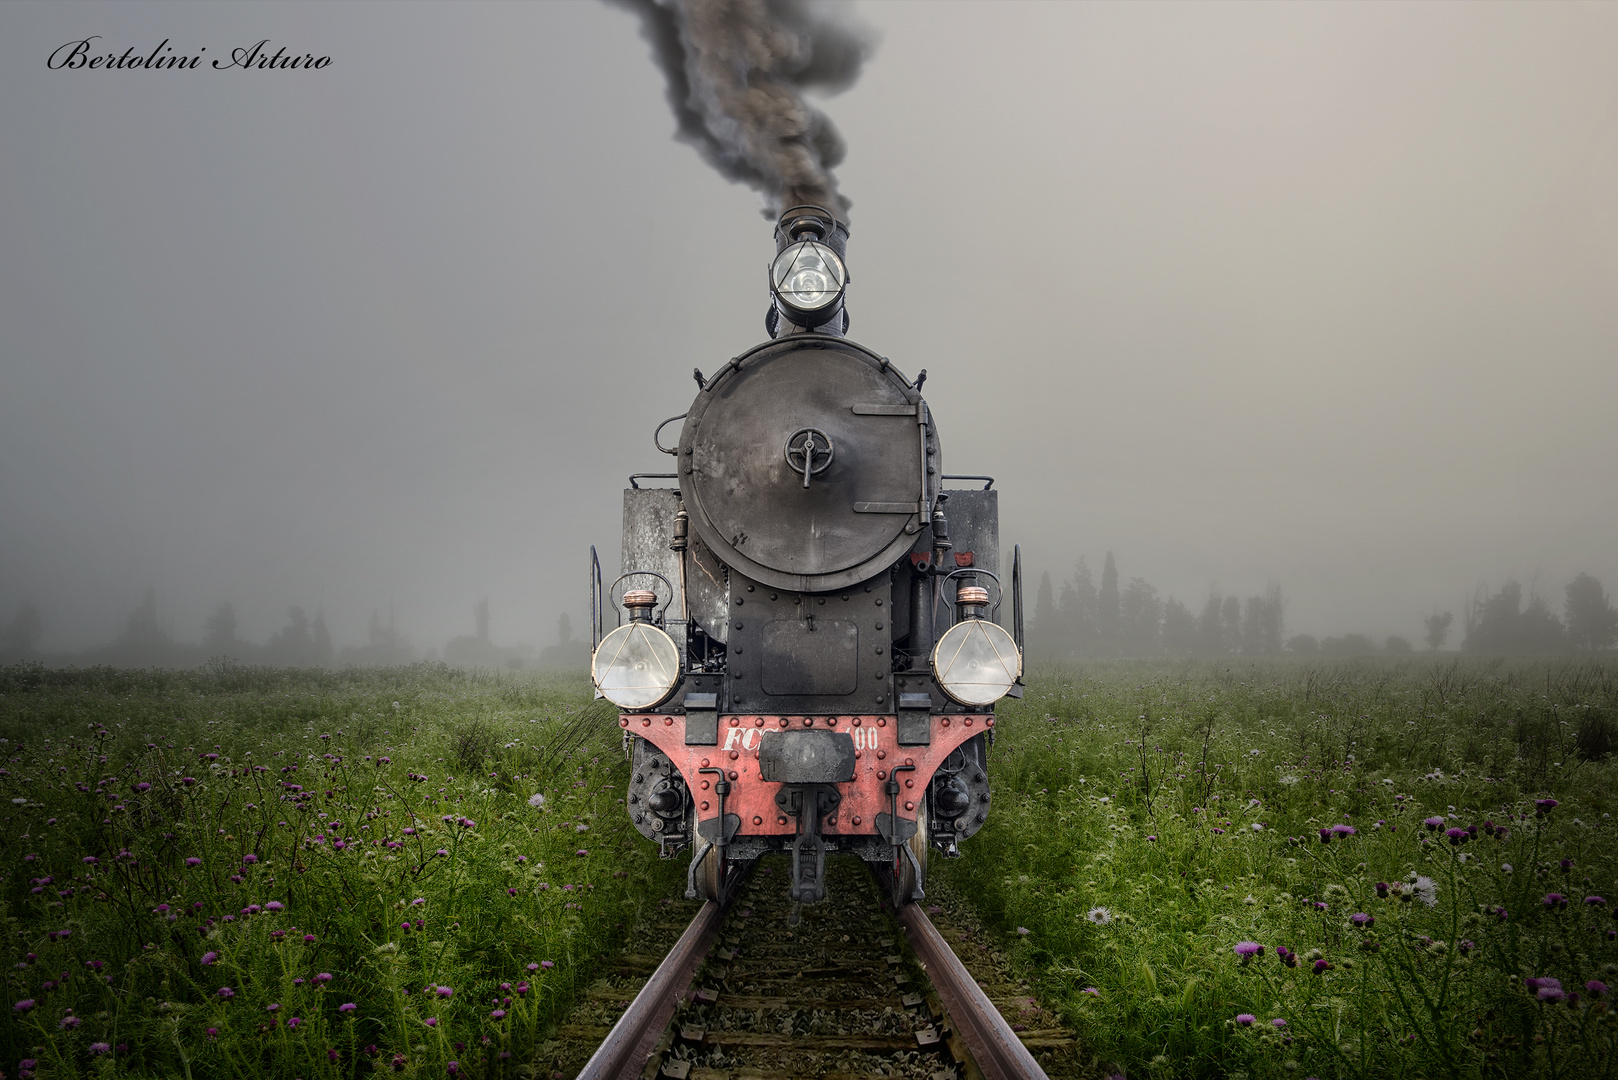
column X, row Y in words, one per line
column 715, row 873
column 904, row 875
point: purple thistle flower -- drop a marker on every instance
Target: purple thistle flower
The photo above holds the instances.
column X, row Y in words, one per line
column 100, row 1047
column 249, row 860
column 431, row 1021
column 1245, row 1019
column 1361, row 920
column 1286, row 956
column 1321, row 967
column 347, row 1007
column 1345, row 830
column 274, row 905
column 323, row 977
column 69, row 1022
column 24, row 1005
column 521, row 988
column 1278, row 1023
column 1555, row 901
column 1457, row 836
column 533, row 967
column 1544, row 806
column 1596, row 987
column 1325, row 836
column 1382, row 889
column 1551, row 993
column 90, row 860
column 293, row 1023
column 272, row 1007
column 1433, row 823
column 1151, row 839
column 209, row 957
column 454, row 1067
column 442, row 852
column 193, row 861
column 1595, row 901
column 1249, row 949
column 581, row 852
column 226, row 993
column 444, row 992
column 498, row 1014
column 546, row 964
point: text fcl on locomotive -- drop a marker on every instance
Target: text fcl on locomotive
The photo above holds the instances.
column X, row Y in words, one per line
column 808, row 649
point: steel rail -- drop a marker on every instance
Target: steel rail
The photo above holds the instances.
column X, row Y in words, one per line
column 994, row 1046
column 623, row 1054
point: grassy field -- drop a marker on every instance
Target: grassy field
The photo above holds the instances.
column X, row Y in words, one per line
column 1361, row 870
column 241, row 872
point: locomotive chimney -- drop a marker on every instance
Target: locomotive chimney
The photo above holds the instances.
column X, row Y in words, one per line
column 809, row 275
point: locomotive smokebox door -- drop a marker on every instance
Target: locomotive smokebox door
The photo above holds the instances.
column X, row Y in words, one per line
column 806, row 465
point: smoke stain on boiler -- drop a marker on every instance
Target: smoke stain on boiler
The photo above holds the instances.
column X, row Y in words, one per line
column 736, row 72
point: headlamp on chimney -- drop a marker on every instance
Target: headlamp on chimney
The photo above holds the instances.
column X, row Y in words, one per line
column 808, row 279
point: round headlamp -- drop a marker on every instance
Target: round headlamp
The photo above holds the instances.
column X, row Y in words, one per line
column 636, row 666
column 807, row 278
column 976, row 662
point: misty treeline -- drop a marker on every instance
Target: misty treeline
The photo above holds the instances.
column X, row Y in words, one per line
column 1084, row 618
column 146, row 640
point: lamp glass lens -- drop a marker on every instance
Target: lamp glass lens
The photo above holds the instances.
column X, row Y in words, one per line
column 808, row 276
column 976, row 662
column 636, row 666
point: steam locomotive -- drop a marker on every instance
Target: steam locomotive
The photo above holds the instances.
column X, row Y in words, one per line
column 808, row 643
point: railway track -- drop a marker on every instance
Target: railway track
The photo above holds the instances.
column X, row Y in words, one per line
column 845, row 989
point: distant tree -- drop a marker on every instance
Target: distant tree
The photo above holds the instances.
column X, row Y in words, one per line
column 219, row 632
column 1043, row 639
column 564, row 626
column 1179, row 629
column 293, row 644
column 1438, row 629
column 1076, row 611
column 321, row 652
column 1210, row 638
column 480, row 616
column 1501, row 625
column 1397, row 645
column 1263, row 622
column 20, row 636
column 1140, row 619
column 141, row 627
column 1592, row 623
column 384, row 645
column 1347, row 645
column 1230, row 624
column 1109, row 617
column 1303, row 645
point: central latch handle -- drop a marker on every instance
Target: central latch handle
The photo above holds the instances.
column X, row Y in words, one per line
column 809, row 451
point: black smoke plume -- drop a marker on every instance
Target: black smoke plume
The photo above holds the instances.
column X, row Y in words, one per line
column 736, row 71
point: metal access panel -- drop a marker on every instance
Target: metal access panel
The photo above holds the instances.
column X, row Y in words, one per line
column 974, row 525
column 817, row 653
column 648, row 528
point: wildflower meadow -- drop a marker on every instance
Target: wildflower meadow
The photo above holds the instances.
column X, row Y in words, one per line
column 251, row 873
column 1368, row 869
column 1364, row 869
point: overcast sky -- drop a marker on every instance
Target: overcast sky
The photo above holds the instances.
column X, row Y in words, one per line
column 1317, row 294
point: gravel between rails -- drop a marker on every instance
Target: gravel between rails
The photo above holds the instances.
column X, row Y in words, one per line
column 839, row 995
